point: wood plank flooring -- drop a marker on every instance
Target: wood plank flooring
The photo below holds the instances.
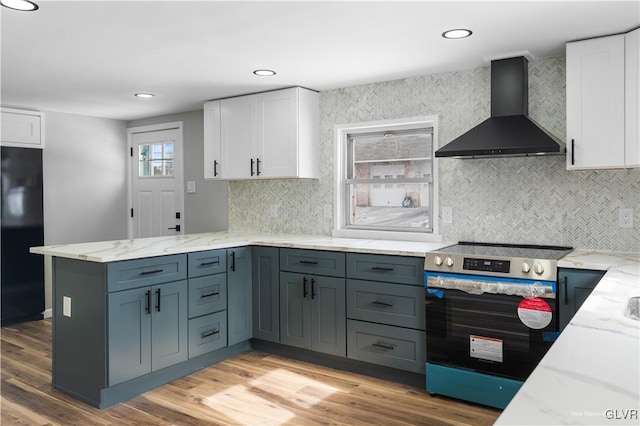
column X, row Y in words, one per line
column 253, row 388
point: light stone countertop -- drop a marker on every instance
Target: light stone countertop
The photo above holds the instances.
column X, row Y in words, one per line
column 111, row 251
column 591, row 374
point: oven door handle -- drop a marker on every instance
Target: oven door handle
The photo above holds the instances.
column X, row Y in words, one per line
column 477, row 286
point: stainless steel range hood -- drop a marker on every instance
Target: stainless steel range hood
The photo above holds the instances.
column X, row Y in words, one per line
column 509, row 131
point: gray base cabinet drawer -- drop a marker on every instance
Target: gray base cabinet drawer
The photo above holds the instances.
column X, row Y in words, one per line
column 393, row 304
column 207, row 295
column 376, row 267
column 315, row 262
column 207, row 333
column 394, row 347
column 207, row 262
column 128, row 274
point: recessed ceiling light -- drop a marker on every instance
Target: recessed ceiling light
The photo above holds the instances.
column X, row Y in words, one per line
column 23, row 5
column 144, row 95
column 457, row 33
column 264, row 73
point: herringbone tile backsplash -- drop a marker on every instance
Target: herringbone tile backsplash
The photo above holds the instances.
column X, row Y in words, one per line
column 515, row 200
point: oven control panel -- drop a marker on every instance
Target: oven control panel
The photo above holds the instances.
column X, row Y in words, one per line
column 486, row 265
column 534, row 269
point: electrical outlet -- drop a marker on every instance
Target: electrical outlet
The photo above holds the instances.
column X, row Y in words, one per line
column 447, row 215
column 274, row 210
column 625, row 218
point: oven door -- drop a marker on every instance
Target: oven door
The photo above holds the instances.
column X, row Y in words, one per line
column 489, row 325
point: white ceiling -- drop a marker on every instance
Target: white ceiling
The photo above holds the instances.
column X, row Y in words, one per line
column 90, row 57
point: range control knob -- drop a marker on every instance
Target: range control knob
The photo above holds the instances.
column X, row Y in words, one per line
column 526, row 267
column 449, row 261
column 538, row 269
column 437, row 260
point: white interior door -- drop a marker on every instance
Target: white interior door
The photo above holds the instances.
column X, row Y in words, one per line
column 156, row 181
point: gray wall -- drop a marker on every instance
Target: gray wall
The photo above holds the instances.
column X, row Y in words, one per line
column 516, row 200
column 84, row 174
column 206, row 210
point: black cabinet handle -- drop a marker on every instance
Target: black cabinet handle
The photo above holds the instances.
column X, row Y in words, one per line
column 214, row 262
column 209, row 333
column 252, row 167
column 257, row 166
column 566, row 290
column 380, row 268
column 213, row 293
column 233, row 261
column 383, row 345
column 313, row 288
column 155, row 271
column 158, row 300
column 215, row 168
column 386, row 305
column 308, row 262
column 147, row 308
column 304, row 287
column 573, row 150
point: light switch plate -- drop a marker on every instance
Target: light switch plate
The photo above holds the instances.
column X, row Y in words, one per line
column 66, row 306
column 191, row 187
column 327, row 211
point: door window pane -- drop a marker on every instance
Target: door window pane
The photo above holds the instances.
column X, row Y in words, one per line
column 156, row 160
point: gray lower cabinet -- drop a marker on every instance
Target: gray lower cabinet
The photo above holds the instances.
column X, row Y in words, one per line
column 207, row 333
column 266, row 302
column 240, row 299
column 312, row 312
column 385, row 311
column 575, row 285
column 147, row 330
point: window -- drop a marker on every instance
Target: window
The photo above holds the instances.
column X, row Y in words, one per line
column 156, row 160
column 386, row 179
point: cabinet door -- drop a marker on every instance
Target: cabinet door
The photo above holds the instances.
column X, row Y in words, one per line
column 238, row 136
column 21, row 128
column 595, row 103
column 277, row 147
column 169, row 324
column 265, row 276
column 212, row 140
column 575, row 286
column 632, row 98
column 129, row 334
column 240, row 289
column 328, row 322
column 295, row 310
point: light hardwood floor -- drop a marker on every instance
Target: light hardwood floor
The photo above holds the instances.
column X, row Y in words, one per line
column 253, row 388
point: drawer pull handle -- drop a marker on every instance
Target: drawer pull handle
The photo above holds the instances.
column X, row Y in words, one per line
column 215, row 293
column 215, row 262
column 383, row 345
column 381, row 269
column 155, row 271
column 308, row 262
column 209, row 333
column 385, row 304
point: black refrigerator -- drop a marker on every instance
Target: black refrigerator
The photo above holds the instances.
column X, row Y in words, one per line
column 22, row 226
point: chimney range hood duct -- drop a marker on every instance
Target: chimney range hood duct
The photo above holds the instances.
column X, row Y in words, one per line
column 509, row 131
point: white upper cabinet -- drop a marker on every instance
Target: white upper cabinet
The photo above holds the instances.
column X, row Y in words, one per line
column 600, row 105
column 212, row 140
column 632, row 98
column 263, row 136
column 22, row 128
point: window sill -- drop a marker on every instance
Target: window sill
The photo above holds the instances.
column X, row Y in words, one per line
column 387, row 235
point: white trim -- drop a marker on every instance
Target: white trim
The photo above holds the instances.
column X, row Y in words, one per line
column 176, row 125
column 341, row 132
column 48, row 313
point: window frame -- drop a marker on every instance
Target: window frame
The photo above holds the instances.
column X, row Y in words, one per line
column 342, row 132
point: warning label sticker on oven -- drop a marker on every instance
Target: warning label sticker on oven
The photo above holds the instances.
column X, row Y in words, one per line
column 535, row 313
column 485, row 348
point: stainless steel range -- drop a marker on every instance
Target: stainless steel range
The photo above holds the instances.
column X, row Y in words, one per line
column 491, row 315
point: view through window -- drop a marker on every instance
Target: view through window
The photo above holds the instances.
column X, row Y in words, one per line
column 156, row 160
column 389, row 180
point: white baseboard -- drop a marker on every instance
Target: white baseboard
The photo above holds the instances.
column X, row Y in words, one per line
column 48, row 313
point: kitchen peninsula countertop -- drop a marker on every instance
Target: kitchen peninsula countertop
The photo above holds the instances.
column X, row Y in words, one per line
column 112, row 251
column 591, row 374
